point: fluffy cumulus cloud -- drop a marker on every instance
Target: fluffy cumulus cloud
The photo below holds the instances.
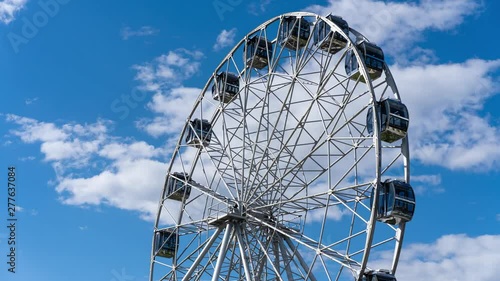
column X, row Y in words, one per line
column 451, row 257
column 171, row 102
column 225, row 39
column 72, row 143
column 445, row 101
column 172, row 109
column 31, row 130
column 8, row 9
column 396, row 24
column 168, row 70
column 130, row 174
column 129, row 184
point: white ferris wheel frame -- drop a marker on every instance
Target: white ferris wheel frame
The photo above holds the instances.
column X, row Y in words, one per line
column 232, row 231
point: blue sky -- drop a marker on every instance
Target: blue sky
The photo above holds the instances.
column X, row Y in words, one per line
column 93, row 91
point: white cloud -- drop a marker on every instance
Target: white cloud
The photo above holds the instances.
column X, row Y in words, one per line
column 128, row 184
column 136, row 150
column 398, row 24
column 172, row 108
column 225, row 39
column 127, row 32
column 8, row 9
column 447, row 127
column 32, row 130
column 168, row 70
column 171, row 102
column 428, row 179
column 130, row 177
column 59, row 150
column 451, row 257
column 73, row 143
column 426, row 183
column 334, row 213
column 23, row 210
column 30, row 101
column 27, row 158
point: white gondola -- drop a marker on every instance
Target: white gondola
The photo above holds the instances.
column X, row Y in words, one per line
column 199, row 133
column 178, row 186
column 394, row 120
column 294, row 32
column 258, row 52
column 166, row 243
column 396, row 202
column 373, row 57
column 328, row 40
column 226, row 87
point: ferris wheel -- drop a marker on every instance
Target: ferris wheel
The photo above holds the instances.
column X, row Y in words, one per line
column 292, row 165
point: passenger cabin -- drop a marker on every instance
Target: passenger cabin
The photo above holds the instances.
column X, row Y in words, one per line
column 294, row 32
column 199, row 133
column 394, row 120
column 166, row 243
column 226, row 87
column 373, row 57
column 178, row 186
column 258, row 52
column 378, row 275
column 396, row 202
column 328, row 40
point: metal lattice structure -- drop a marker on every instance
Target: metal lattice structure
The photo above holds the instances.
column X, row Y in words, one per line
column 278, row 184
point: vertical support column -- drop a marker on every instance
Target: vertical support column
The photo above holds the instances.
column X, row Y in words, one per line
column 244, row 260
column 222, row 252
column 276, row 254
